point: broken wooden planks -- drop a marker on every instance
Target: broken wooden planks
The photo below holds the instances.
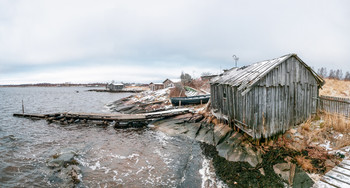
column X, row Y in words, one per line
column 31, row 115
column 339, row 176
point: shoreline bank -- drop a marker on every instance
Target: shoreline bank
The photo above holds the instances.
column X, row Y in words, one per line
column 282, row 162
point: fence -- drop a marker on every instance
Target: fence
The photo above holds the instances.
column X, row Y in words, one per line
column 334, row 105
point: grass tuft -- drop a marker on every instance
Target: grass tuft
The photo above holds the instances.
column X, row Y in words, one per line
column 305, row 163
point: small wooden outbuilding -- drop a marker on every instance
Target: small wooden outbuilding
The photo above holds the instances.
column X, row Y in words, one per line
column 115, row 87
column 156, row 86
column 208, row 77
column 170, row 83
column 267, row 97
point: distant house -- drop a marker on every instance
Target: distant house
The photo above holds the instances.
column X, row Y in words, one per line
column 267, row 97
column 115, row 87
column 170, row 83
column 208, row 77
column 156, row 86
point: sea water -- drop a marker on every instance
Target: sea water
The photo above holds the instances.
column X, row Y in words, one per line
column 107, row 157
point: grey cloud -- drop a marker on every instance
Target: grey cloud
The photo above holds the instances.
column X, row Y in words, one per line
column 172, row 33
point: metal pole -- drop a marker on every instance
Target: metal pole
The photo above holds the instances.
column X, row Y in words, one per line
column 235, row 58
column 22, row 107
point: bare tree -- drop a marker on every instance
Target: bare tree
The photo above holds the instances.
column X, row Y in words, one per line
column 347, row 76
column 332, row 74
column 185, row 78
column 339, row 74
column 322, row 72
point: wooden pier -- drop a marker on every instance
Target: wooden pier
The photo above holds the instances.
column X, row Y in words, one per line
column 119, row 119
column 339, row 176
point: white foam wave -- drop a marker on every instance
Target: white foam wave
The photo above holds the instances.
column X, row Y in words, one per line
column 162, row 138
column 97, row 165
column 166, row 158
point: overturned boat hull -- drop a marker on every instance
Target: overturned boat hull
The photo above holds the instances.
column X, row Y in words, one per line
column 199, row 99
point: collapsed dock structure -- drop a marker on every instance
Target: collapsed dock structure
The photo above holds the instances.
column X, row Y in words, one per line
column 267, row 97
column 118, row 119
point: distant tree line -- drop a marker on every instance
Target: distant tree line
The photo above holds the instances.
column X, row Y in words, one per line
column 185, row 78
column 333, row 74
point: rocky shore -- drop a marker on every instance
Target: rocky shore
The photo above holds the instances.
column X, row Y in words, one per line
column 237, row 161
column 285, row 161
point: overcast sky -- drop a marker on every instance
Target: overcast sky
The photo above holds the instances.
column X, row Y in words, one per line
column 143, row 41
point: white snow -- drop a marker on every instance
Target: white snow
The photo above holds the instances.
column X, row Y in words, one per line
column 326, row 145
column 151, row 96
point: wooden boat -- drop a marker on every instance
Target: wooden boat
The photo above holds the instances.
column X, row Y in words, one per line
column 198, row 99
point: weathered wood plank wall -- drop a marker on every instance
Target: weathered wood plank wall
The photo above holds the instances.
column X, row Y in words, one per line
column 335, row 105
column 284, row 97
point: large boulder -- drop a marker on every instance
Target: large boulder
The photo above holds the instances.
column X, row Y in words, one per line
column 301, row 179
column 221, row 131
column 205, row 133
column 236, row 148
column 61, row 160
column 283, row 170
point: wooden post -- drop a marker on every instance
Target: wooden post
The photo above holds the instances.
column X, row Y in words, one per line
column 291, row 174
column 180, row 103
column 201, row 102
column 22, row 107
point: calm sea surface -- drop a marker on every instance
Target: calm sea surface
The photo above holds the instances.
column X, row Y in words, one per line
column 107, row 157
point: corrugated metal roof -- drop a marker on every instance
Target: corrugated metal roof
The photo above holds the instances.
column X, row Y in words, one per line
column 245, row 77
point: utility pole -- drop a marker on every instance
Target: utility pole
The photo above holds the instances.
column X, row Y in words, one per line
column 235, row 58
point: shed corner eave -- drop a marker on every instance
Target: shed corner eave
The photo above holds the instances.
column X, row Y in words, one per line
column 322, row 82
column 246, row 91
column 319, row 79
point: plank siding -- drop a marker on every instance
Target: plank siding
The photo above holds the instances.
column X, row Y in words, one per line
column 284, row 97
column 336, row 105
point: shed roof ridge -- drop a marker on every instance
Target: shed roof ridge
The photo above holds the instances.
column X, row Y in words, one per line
column 247, row 76
column 255, row 80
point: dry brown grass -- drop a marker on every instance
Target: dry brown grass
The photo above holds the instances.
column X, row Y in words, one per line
column 317, row 152
column 305, row 163
column 306, row 126
column 336, row 122
column 200, row 85
column 177, row 91
column 332, row 127
column 336, row 88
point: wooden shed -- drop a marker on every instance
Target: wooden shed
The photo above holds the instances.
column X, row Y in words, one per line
column 156, row 86
column 267, row 97
column 170, row 83
column 115, row 87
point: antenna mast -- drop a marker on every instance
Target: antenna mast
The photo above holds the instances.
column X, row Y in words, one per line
column 235, row 58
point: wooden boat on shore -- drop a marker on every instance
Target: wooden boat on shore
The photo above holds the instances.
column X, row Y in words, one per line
column 198, row 99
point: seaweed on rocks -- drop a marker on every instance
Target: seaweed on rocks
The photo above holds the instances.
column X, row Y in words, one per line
column 242, row 174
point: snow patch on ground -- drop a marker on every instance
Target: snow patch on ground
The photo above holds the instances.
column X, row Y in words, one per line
column 152, row 96
column 326, row 145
